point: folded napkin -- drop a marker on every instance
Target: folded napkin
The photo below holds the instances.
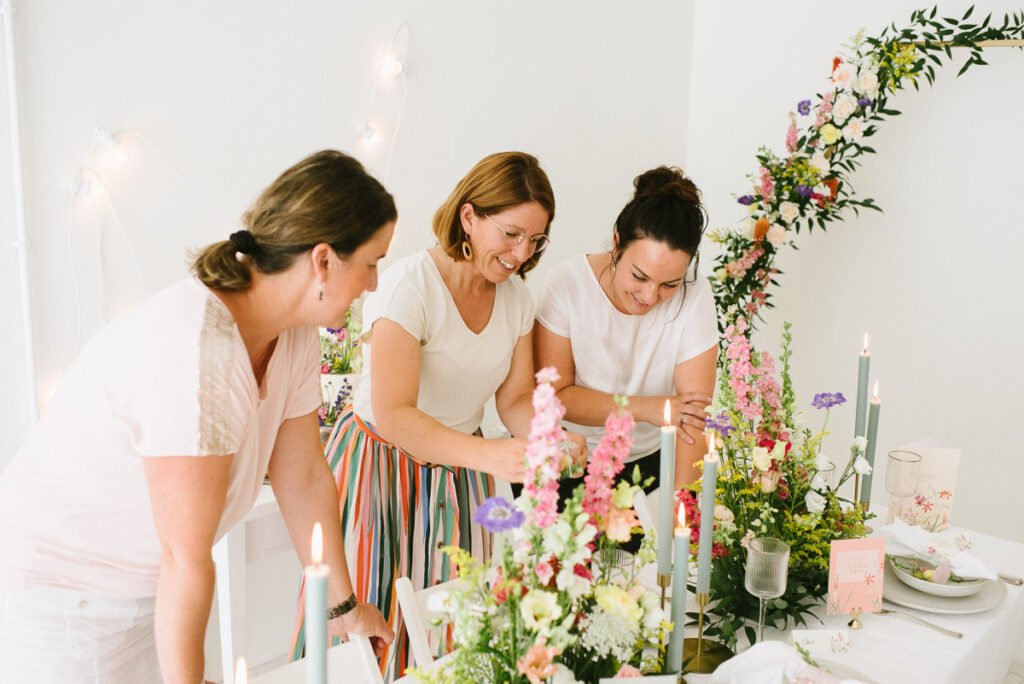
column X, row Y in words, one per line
column 772, row 662
column 912, row 541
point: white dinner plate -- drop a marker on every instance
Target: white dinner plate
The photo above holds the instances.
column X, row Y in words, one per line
column 990, row 596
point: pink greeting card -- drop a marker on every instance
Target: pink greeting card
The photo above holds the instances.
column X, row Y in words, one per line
column 932, row 503
column 855, row 570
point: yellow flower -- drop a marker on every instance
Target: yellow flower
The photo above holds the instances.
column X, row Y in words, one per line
column 615, row 601
column 829, row 134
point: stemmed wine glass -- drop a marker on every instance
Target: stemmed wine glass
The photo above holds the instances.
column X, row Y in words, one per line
column 901, row 473
column 767, row 572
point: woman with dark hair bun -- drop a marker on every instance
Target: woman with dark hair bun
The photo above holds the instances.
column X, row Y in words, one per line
column 637, row 321
column 160, row 434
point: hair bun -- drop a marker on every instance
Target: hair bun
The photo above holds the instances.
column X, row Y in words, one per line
column 665, row 181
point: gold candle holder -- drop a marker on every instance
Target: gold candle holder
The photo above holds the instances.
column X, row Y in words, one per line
column 855, row 622
column 664, row 581
column 703, row 655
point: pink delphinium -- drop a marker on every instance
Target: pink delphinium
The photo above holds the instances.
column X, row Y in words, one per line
column 791, row 134
column 544, row 452
column 606, row 462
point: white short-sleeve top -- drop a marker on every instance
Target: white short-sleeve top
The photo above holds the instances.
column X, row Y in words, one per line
column 459, row 369
column 172, row 378
column 620, row 353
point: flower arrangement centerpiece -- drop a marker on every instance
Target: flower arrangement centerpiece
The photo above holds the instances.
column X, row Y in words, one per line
column 557, row 604
column 773, row 481
column 340, row 359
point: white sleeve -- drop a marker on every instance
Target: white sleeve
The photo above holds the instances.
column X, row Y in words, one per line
column 553, row 304
column 304, row 396
column 527, row 308
column 399, row 299
column 700, row 331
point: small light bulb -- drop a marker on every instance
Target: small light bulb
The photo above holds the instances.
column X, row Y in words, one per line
column 393, row 67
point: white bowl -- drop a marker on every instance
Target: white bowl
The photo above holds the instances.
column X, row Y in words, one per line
column 967, row 587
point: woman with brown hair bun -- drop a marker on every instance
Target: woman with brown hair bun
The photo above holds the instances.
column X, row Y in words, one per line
column 449, row 328
column 637, row 321
column 158, row 438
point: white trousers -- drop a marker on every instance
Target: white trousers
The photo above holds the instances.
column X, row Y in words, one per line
column 74, row 638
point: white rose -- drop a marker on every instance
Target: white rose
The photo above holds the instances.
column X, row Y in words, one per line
column 815, row 502
column 843, row 109
column 843, row 77
column 820, row 162
column 867, row 83
column 563, row 675
column 723, row 513
column 789, row 211
column 862, row 466
column 818, row 481
column 747, row 227
column 776, row 235
column 762, row 458
column 854, row 129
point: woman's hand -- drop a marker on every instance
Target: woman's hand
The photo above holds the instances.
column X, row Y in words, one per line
column 577, row 452
column 685, row 410
column 506, row 459
column 365, row 620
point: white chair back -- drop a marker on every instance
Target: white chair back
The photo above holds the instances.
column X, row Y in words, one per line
column 644, row 504
column 425, row 638
column 352, row 662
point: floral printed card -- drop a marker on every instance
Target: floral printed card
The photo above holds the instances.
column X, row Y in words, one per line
column 855, row 570
column 821, row 642
column 932, row 504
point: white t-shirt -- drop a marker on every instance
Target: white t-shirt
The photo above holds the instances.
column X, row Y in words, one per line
column 172, row 378
column 619, row 353
column 459, row 369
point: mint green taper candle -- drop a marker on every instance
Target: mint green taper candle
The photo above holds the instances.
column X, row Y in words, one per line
column 862, row 389
column 869, row 451
column 707, row 518
column 666, row 494
column 680, row 570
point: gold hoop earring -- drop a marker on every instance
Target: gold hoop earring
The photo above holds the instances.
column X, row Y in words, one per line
column 467, row 250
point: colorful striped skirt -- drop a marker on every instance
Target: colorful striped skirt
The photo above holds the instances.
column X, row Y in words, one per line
column 396, row 516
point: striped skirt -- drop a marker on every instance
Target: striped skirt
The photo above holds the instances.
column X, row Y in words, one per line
column 396, row 516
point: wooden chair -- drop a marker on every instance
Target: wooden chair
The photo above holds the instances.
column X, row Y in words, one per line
column 352, row 662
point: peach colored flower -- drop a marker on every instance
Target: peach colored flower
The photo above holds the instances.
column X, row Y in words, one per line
column 536, row 664
column 761, row 228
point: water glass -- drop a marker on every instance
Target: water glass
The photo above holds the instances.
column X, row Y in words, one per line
column 825, row 477
column 901, row 474
column 767, row 572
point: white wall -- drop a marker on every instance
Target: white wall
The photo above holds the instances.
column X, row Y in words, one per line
column 223, row 96
column 935, row 279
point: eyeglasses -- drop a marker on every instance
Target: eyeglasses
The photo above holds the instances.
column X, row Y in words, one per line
column 538, row 243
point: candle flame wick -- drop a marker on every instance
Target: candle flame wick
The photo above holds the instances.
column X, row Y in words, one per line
column 668, row 413
column 865, row 343
column 876, row 390
column 241, row 676
column 317, row 544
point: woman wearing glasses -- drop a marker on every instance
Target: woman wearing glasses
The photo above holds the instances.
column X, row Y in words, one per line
column 631, row 321
column 449, row 328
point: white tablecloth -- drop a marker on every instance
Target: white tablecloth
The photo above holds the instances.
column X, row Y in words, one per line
column 892, row 649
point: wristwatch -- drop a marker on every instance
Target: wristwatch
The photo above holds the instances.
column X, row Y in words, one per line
column 345, row 606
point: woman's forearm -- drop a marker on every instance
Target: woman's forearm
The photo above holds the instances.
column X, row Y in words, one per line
column 517, row 414
column 183, row 597
column 585, row 406
column 427, row 440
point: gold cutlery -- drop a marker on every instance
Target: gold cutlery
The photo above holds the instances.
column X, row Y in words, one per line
column 923, row 623
column 1010, row 579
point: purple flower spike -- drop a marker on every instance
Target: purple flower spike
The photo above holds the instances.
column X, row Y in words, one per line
column 804, row 107
column 826, row 400
column 866, row 102
column 720, row 423
column 746, row 200
column 497, row 515
column 804, row 191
